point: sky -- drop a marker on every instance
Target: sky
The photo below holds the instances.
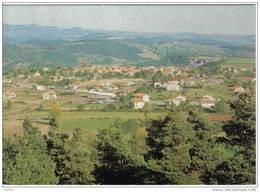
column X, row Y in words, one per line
column 205, row 19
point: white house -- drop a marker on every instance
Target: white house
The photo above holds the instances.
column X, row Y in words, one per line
column 207, row 101
column 157, row 84
column 40, row 87
column 142, row 96
column 37, row 74
column 9, row 95
column 130, row 83
column 7, row 81
column 138, row 103
column 49, row 95
column 177, row 100
column 172, row 86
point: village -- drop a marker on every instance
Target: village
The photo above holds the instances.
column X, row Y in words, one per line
column 156, row 87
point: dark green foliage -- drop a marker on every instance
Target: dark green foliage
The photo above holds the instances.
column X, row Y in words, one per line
column 240, row 132
column 221, row 106
column 78, row 164
column 156, row 138
column 168, row 157
column 117, row 164
column 241, row 129
column 26, row 160
column 204, row 156
column 56, row 149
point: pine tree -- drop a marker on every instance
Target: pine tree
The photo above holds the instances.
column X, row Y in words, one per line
column 26, row 159
column 79, row 163
column 117, row 164
column 168, row 158
column 240, row 132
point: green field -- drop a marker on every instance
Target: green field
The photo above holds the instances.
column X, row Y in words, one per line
column 240, row 62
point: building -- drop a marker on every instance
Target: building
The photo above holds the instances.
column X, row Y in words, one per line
column 26, row 85
column 40, row 87
column 130, row 83
column 207, row 101
column 142, row 96
column 101, row 97
column 177, row 100
column 138, row 103
column 49, row 95
column 7, row 81
column 238, row 89
column 157, row 84
column 172, row 86
column 37, row 74
column 9, row 95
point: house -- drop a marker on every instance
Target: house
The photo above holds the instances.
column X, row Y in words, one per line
column 177, row 100
column 49, row 95
column 248, row 79
column 25, row 85
column 130, row 83
column 157, row 84
column 9, row 95
column 142, row 96
column 37, row 74
column 172, row 86
column 207, row 101
column 138, row 103
column 190, row 83
column 7, row 81
column 238, row 89
column 40, row 87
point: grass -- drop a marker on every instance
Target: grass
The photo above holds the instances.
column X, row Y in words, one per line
column 240, row 63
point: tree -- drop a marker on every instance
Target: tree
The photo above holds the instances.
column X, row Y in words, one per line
column 240, row 132
column 54, row 115
column 204, row 152
column 26, row 159
column 241, row 129
column 81, row 107
column 56, row 149
column 168, row 158
column 116, row 163
column 221, row 106
column 9, row 105
column 78, row 164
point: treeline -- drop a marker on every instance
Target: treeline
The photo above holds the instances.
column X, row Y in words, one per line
column 181, row 148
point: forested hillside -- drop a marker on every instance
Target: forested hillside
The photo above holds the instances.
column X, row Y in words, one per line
column 33, row 45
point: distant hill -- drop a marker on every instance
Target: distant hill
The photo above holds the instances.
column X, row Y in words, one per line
column 35, row 45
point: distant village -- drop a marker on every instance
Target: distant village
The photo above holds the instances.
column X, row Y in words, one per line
column 106, row 84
